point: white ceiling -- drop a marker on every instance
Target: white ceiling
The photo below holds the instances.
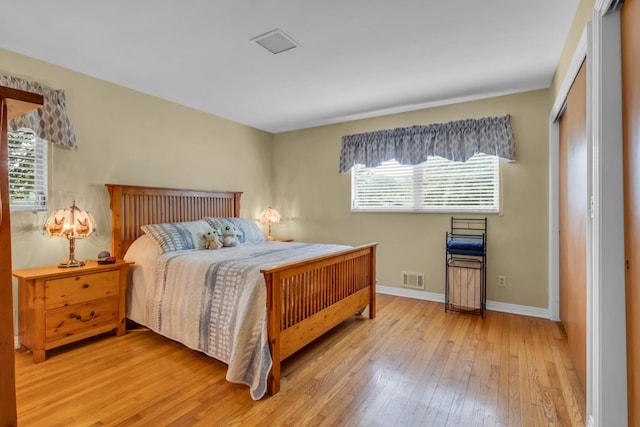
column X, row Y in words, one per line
column 357, row 58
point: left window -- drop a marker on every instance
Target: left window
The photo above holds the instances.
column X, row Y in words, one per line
column 28, row 176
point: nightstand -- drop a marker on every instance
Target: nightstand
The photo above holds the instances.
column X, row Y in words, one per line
column 282, row 239
column 58, row 306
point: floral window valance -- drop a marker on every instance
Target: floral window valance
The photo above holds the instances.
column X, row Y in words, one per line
column 50, row 121
column 458, row 141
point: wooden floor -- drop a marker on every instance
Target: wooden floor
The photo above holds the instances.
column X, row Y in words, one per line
column 414, row 365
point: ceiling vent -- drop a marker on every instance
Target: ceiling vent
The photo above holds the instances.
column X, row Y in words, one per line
column 275, row 41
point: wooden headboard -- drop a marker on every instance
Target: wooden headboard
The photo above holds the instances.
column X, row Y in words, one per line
column 134, row 206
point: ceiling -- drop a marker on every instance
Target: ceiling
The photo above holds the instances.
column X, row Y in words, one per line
column 356, row 58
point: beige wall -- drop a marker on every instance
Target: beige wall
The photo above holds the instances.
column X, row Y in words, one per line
column 131, row 138
column 127, row 137
column 315, row 199
column 583, row 15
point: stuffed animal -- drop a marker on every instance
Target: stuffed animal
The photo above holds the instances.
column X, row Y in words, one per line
column 213, row 239
column 229, row 234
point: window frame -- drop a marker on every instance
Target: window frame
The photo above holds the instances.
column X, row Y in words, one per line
column 419, row 180
column 39, row 202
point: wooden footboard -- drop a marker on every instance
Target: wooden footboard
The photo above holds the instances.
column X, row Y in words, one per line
column 306, row 299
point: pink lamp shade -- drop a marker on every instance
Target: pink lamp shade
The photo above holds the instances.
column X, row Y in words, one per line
column 270, row 216
column 72, row 223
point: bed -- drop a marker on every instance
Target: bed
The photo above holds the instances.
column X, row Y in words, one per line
column 304, row 296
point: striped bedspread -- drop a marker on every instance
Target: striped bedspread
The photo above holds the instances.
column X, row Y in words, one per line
column 214, row 301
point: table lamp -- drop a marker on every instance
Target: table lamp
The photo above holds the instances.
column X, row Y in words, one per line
column 72, row 223
column 270, row 216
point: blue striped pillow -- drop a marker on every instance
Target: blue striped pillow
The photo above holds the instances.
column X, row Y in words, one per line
column 247, row 230
column 178, row 236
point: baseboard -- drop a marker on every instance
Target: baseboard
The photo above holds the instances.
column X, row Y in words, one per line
column 431, row 296
column 504, row 307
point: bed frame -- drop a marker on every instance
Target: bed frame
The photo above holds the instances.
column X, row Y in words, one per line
column 305, row 299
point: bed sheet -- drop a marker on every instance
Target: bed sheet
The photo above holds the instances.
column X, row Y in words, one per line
column 213, row 301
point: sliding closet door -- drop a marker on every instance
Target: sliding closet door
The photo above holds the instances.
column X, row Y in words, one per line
column 630, row 29
column 573, row 222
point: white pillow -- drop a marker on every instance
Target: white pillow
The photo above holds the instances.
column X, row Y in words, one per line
column 143, row 248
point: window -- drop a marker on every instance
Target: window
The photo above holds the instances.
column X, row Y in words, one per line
column 27, row 171
column 437, row 185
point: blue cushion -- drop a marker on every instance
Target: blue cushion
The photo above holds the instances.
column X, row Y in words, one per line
column 465, row 247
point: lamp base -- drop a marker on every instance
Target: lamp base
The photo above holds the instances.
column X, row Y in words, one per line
column 71, row 263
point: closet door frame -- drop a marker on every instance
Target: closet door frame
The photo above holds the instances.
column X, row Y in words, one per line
column 606, row 392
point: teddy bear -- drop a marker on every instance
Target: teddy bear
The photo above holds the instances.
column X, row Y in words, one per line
column 229, row 237
column 213, row 239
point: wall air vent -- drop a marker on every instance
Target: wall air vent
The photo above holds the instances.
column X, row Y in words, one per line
column 275, row 41
column 412, row 280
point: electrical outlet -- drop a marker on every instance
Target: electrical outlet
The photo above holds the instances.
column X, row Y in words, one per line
column 502, row 281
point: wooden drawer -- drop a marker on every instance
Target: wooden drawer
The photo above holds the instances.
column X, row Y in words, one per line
column 80, row 319
column 81, row 288
column 58, row 306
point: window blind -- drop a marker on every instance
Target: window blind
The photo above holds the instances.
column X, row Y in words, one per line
column 28, row 176
column 437, row 185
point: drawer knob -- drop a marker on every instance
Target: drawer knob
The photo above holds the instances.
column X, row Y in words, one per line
column 79, row 317
column 86, row 285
